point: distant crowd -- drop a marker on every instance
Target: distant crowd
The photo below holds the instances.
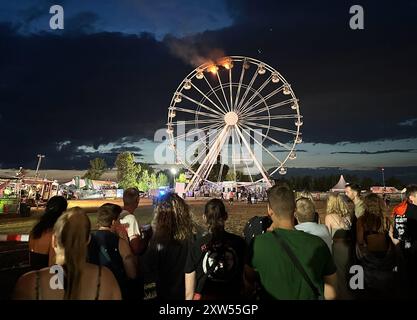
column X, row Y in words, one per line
column 358, row 249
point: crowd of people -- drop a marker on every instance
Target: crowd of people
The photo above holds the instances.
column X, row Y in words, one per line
column 289, row 253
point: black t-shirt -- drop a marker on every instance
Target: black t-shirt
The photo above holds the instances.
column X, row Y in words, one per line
column 405, row 226
column 164, row 263
column 218, row 264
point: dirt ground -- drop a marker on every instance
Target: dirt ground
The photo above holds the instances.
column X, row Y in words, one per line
column 239, row 214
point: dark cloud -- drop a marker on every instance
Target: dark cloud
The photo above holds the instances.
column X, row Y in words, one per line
column 408, row 123
column 83, row 22
column 377, row 152
column 92, row 88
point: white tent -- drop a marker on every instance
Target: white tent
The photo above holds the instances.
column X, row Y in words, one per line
column 340, row 186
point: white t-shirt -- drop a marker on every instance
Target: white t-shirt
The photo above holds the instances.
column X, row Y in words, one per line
column 130, row 223
column 319, row 230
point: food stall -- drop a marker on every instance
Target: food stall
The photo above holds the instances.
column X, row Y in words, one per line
column 9, row 194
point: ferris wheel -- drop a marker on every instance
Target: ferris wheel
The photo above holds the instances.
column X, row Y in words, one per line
column 235, row 111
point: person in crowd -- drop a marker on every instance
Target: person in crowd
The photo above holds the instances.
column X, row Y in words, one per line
column 309, row 195
column 353, row 192
column 131, row 230
column 306, row 217
column 165, row 258
column 289, row 264
column 338, row 221
column 215, row 262
column 338, row 216
column 372, row 230
column 231, row 197
column 405, row 236
column 107, row 249
column 81, row 280
column 41, row 252
column 374, row 249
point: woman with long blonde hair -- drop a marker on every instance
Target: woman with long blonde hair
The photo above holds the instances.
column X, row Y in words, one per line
column 81, row 280
column 338, row 216
column 373, row 227
column 338, row 221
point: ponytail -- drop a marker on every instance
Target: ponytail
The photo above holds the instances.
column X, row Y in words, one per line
column 72, row 231
column 216, row 215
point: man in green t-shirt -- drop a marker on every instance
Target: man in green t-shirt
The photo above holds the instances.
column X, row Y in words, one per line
column 278, row 276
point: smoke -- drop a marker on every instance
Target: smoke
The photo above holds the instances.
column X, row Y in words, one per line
column 191, row 52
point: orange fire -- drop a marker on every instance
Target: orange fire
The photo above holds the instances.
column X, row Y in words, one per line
column 213, row 69
column 226, row 63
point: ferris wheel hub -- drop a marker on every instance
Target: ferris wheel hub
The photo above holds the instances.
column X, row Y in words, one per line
column 231, row 118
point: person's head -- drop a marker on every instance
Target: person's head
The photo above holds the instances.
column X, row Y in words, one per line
column 70, row 240
column 108, row 214
column 215, row 215
column 305, row 210
column 281, row 204
column 305, row 194
column 337, row 205
column 173, row 220
column 282, row 183
column 131, row 199
column 411, row 194
column 352, row 191
column 54, row 208
column 374, row 216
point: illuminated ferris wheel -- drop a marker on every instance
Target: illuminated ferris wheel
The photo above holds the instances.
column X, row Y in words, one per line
column 238, row 104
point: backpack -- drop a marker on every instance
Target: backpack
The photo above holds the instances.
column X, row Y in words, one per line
column 255, row 226
column 220, row 265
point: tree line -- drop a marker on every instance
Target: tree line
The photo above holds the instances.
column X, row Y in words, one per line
column 144, row 177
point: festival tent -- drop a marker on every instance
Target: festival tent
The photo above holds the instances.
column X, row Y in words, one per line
column 80, row 183
column 340, row 186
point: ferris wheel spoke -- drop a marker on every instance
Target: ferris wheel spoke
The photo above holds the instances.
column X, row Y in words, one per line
column 270, row 107
column 187, row 122
column 267, row 97
column 205, row 137
column 233, row 153
column 205, row 96
column 200, row 113
column 215, row 93
column 260, row 167
column 271, row 127
column 256, row 93
column 224, row 94
column 184, row 135
column 285, row 146
column 244, row 160
column 206, row 148
column 201, row 105
column 206, row 163
column 231, row 89
column 247, row 90
column 276, row 117
column 263, row 147
column 242, row 74
column 219, row 177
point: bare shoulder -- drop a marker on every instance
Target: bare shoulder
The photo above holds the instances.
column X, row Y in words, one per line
column 110, row 287
column 25, row 287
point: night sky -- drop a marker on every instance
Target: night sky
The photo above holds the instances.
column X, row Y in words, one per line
column 104, row 83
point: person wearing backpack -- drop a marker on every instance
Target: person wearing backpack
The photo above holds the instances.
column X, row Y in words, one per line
column 214, row 268
column 107, row 249
column 289, row 264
